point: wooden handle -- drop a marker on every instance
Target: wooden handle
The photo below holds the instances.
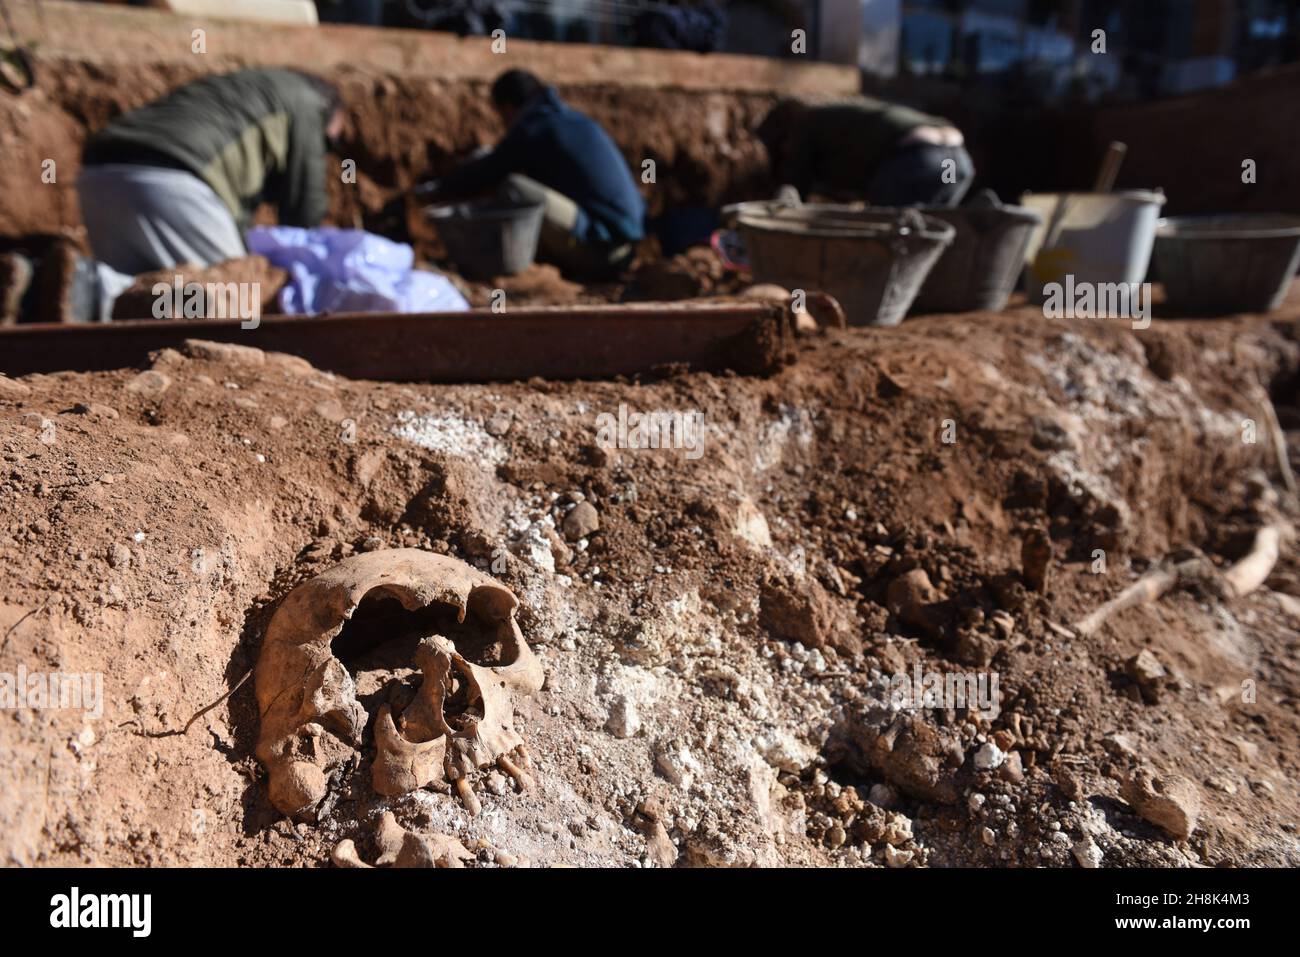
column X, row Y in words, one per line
column 1110, row 167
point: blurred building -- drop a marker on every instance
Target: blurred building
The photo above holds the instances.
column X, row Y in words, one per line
column 1146, row 48
column 1048, row 48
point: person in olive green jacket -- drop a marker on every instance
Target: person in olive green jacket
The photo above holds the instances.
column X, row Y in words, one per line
column 864, row 148
column 179, row 179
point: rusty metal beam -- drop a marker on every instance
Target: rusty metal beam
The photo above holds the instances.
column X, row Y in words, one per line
column 571, row 342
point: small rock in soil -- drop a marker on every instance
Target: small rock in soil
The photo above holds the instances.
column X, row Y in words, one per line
column 581, row 521
column 1036, row 559
column 1169, row 801
column 989, row 757
column 911, row 598
column 623, row 720
column 1087, row 853
column 1146, row 670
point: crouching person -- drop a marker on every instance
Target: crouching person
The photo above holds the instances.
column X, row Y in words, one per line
column 557, row 157
column 178, row 180
column 863, row 148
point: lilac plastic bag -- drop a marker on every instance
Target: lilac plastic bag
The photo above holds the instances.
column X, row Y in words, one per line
column 350, row 270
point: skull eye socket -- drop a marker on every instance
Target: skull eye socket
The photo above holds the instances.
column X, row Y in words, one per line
column 382, row 632
column 378, row 645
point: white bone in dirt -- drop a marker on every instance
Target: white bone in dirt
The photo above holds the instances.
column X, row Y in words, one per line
column 1253, row 570
column 399, row 847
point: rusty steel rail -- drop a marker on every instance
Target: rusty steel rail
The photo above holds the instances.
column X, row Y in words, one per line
column 570, row 342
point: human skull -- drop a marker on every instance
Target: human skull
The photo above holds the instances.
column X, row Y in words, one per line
column 473, row 661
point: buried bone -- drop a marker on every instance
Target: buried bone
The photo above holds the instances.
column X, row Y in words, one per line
column 460, row 720
column 399, row 847
column 460, row 717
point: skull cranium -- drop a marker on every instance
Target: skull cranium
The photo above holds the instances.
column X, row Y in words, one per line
column 472, row 657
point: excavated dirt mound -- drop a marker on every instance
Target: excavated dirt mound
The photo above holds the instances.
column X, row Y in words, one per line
column 718, row 623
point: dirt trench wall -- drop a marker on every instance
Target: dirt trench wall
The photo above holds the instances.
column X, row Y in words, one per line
column 417, row 102
column 1195, row 146
column 1191, row 146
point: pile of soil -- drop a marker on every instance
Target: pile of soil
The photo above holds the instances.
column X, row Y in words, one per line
column 719, row 624
column 140, row 301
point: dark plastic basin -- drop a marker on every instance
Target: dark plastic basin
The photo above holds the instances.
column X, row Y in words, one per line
column 488, row 238
column 979, row 270
column 1219, row 264
column 872, row 261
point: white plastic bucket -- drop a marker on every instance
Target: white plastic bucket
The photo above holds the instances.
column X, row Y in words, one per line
column 1094, row 237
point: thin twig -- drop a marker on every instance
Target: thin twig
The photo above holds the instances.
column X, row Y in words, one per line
column 5, row 644
column 200, row 713
column 1242, row 578
column 1146, row 589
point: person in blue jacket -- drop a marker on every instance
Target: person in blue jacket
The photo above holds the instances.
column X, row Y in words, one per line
column 563, row 159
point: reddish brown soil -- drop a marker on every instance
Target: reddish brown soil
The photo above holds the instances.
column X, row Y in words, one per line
column 138, row 300
column 152, row 520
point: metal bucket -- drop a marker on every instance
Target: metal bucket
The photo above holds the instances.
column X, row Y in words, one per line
column 872, row 261
column 979, row 270
column 1219, row 264
column 488, row 238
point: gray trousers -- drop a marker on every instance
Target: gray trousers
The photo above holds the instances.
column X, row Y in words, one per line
column 142, row 218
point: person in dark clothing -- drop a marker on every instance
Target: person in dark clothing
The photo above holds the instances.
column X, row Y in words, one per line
column 698, row 27
column 368, row 12
column 560, row 158
column 464, row 17
column 178, row 180
column 862, row 147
